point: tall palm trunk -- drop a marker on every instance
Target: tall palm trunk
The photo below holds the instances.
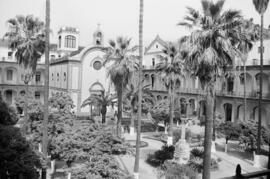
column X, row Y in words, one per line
column 46, row 88
column 27, row 120
column 132, row 120
column 208, row 134
column 137, row 157
column 245, row 98
column 25, row 110
column 103, row 113
column 170, row 134
column 119, row 114
column 260, row 96
column 214, row 118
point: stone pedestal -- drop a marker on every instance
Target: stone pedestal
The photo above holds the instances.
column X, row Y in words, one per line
column 132, row 131
column 136, row 175
column 170, row 141
column 39, row 147
column 53, row 166
column 166, row 130
column 256, row 162
column 182, row 152
column 69, row 175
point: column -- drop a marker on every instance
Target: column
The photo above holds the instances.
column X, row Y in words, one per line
column 233, row 116
column 196, row 83
column 236, row 82
column 254, row 84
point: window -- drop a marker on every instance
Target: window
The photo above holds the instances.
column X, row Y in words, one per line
column 156, row 46
column 99, row 34
column 38, row 77
column 153, row 80
column 37, row 95
column 52, row 76
column 52, row 56
column 9, row 96
column 57, row 76
column 242, row 79
column 9, row 75
column 153, row 62
column 59, row 41
column 10, row 55
column 22, row 93
column 70, row 41
column 97, row 65
column 65, row 76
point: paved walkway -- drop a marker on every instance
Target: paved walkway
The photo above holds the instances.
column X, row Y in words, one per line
column 127, row 161
column 226, row 167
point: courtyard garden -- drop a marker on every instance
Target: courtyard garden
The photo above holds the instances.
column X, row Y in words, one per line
column 144, row 135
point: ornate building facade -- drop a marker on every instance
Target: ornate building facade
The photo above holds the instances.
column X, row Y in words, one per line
column 79, row 71
column 229, row 90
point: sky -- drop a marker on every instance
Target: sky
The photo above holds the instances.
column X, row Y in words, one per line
column 117, row 17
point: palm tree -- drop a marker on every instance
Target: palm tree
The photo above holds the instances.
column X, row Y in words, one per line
column 121, row 70
column 170, row 71
column 260, row 6
column 132, row 96
column 248, row 35
column 46, row 89
column 137, row 157
column 26, row 36
column 102, row 100
column 209, row 49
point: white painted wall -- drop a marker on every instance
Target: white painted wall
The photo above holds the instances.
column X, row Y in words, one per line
column 90, row 75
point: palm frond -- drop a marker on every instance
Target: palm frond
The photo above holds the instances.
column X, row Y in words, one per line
column 261, row 5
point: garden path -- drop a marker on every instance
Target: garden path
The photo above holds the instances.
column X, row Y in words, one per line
column 226, row 167
column 146, row 171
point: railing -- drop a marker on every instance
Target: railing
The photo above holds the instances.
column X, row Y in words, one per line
column 239, row 175
column 251, row 94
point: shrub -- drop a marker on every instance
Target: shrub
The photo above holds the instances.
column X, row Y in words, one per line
column 196, row 160
column 8, row 115
column 249, row 133
column 99, row 167
column 171, row 170
column 16, row 155
column 92, row 139
column 156, row 159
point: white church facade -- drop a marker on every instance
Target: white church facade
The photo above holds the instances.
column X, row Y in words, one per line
column 79, row 71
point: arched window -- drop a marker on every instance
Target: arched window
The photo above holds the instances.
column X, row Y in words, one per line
column 37, row 95
column 59, row 41
column 9, row 75
column 153, row 62
column 153, row 80
column 70, row 41
column 65, row 76
column 38, row 77
column 57, row 76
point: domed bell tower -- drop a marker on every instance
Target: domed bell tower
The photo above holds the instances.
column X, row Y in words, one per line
column 98, row 37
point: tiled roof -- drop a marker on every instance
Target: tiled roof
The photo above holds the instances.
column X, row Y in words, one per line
column 67, row 57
